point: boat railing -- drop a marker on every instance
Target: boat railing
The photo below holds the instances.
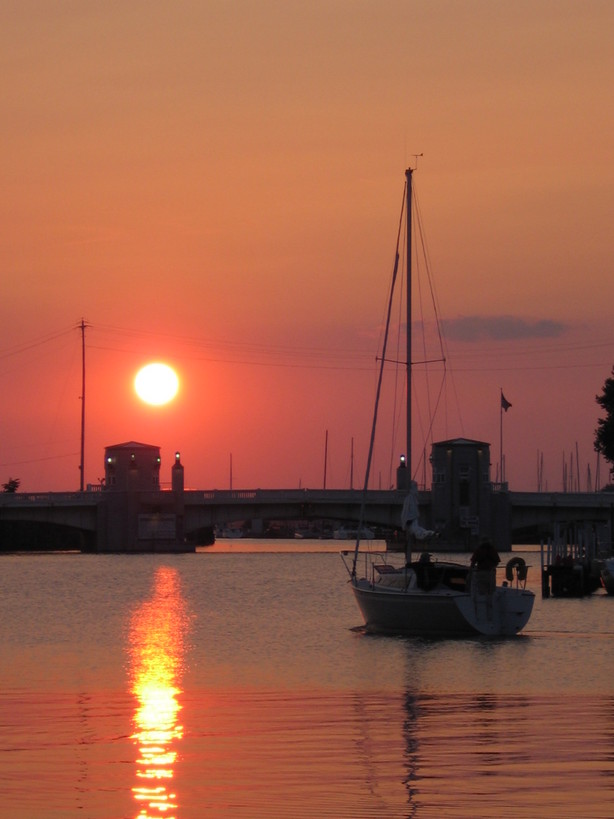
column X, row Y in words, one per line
column 367, row 563
column 426, row 573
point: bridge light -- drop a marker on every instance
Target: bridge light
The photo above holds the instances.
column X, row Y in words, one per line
column 177, row 457
column 403, row 464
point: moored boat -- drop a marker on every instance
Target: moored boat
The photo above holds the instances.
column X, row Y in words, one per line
column 432, row 598
column 607, row 575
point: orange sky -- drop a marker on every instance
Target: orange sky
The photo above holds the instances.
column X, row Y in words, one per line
column 217, row 185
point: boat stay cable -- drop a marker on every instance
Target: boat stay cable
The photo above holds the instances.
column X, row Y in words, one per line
column 378, row 392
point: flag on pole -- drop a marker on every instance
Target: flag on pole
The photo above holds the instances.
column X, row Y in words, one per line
column 505, row 404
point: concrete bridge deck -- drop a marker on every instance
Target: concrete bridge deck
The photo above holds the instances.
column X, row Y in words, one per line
column 211, row 507
column 541, row 510
column 200, row 509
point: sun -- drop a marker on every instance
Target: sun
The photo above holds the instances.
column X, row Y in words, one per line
column 156, row 383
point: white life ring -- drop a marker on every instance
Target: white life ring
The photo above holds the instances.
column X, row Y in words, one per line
column 518, row 564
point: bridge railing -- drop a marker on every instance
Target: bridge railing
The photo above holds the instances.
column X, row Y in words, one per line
column 47, row 498
column 213, row 496
column 297, row 495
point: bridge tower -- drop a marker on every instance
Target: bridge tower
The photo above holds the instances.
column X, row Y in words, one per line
column 461, row 493
column 133, row 466
column 135, row 515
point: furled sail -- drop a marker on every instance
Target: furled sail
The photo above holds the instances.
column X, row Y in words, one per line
column 410, row 515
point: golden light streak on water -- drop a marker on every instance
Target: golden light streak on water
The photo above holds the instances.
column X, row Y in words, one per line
column 157, row 633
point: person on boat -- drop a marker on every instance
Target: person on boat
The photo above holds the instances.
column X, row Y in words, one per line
column 485, row 560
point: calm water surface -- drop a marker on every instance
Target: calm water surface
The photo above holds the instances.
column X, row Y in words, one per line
column 234, row 684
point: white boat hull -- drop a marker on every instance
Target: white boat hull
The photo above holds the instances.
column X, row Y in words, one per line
column 443, row 612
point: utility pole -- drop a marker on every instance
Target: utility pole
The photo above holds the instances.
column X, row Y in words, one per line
column 325, row 457
column 82, row 326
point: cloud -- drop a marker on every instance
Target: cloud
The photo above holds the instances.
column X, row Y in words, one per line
column 501, row 328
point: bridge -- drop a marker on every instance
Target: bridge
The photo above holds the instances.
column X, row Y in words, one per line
column 530, row 509
column 150, row 519
column 169, row 520
column 216, row 507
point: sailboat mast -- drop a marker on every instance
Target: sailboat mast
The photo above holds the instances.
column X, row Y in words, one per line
column 408, row 177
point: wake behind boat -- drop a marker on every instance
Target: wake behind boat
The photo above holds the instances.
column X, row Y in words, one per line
column 425, row 597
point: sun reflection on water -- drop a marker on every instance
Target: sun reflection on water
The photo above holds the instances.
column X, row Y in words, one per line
column 157, row 639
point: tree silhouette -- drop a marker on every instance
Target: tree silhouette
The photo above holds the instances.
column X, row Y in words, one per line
column 604, row 434
column 12, row 485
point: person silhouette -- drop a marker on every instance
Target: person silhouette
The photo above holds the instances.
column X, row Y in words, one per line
column 484, row 561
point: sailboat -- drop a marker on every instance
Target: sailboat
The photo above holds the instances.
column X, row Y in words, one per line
column 426, row 597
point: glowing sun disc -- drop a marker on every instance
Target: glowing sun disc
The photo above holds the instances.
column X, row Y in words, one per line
column 156, row 384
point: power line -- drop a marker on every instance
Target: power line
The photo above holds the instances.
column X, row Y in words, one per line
column 39, row 460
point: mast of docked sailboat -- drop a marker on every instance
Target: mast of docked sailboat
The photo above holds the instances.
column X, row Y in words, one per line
column 377, row 398
column 408, row 216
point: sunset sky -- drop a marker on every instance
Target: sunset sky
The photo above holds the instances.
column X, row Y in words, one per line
column 217, row 185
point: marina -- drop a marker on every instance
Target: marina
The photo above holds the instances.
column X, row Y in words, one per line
column 234, row 583
column 573, row 560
